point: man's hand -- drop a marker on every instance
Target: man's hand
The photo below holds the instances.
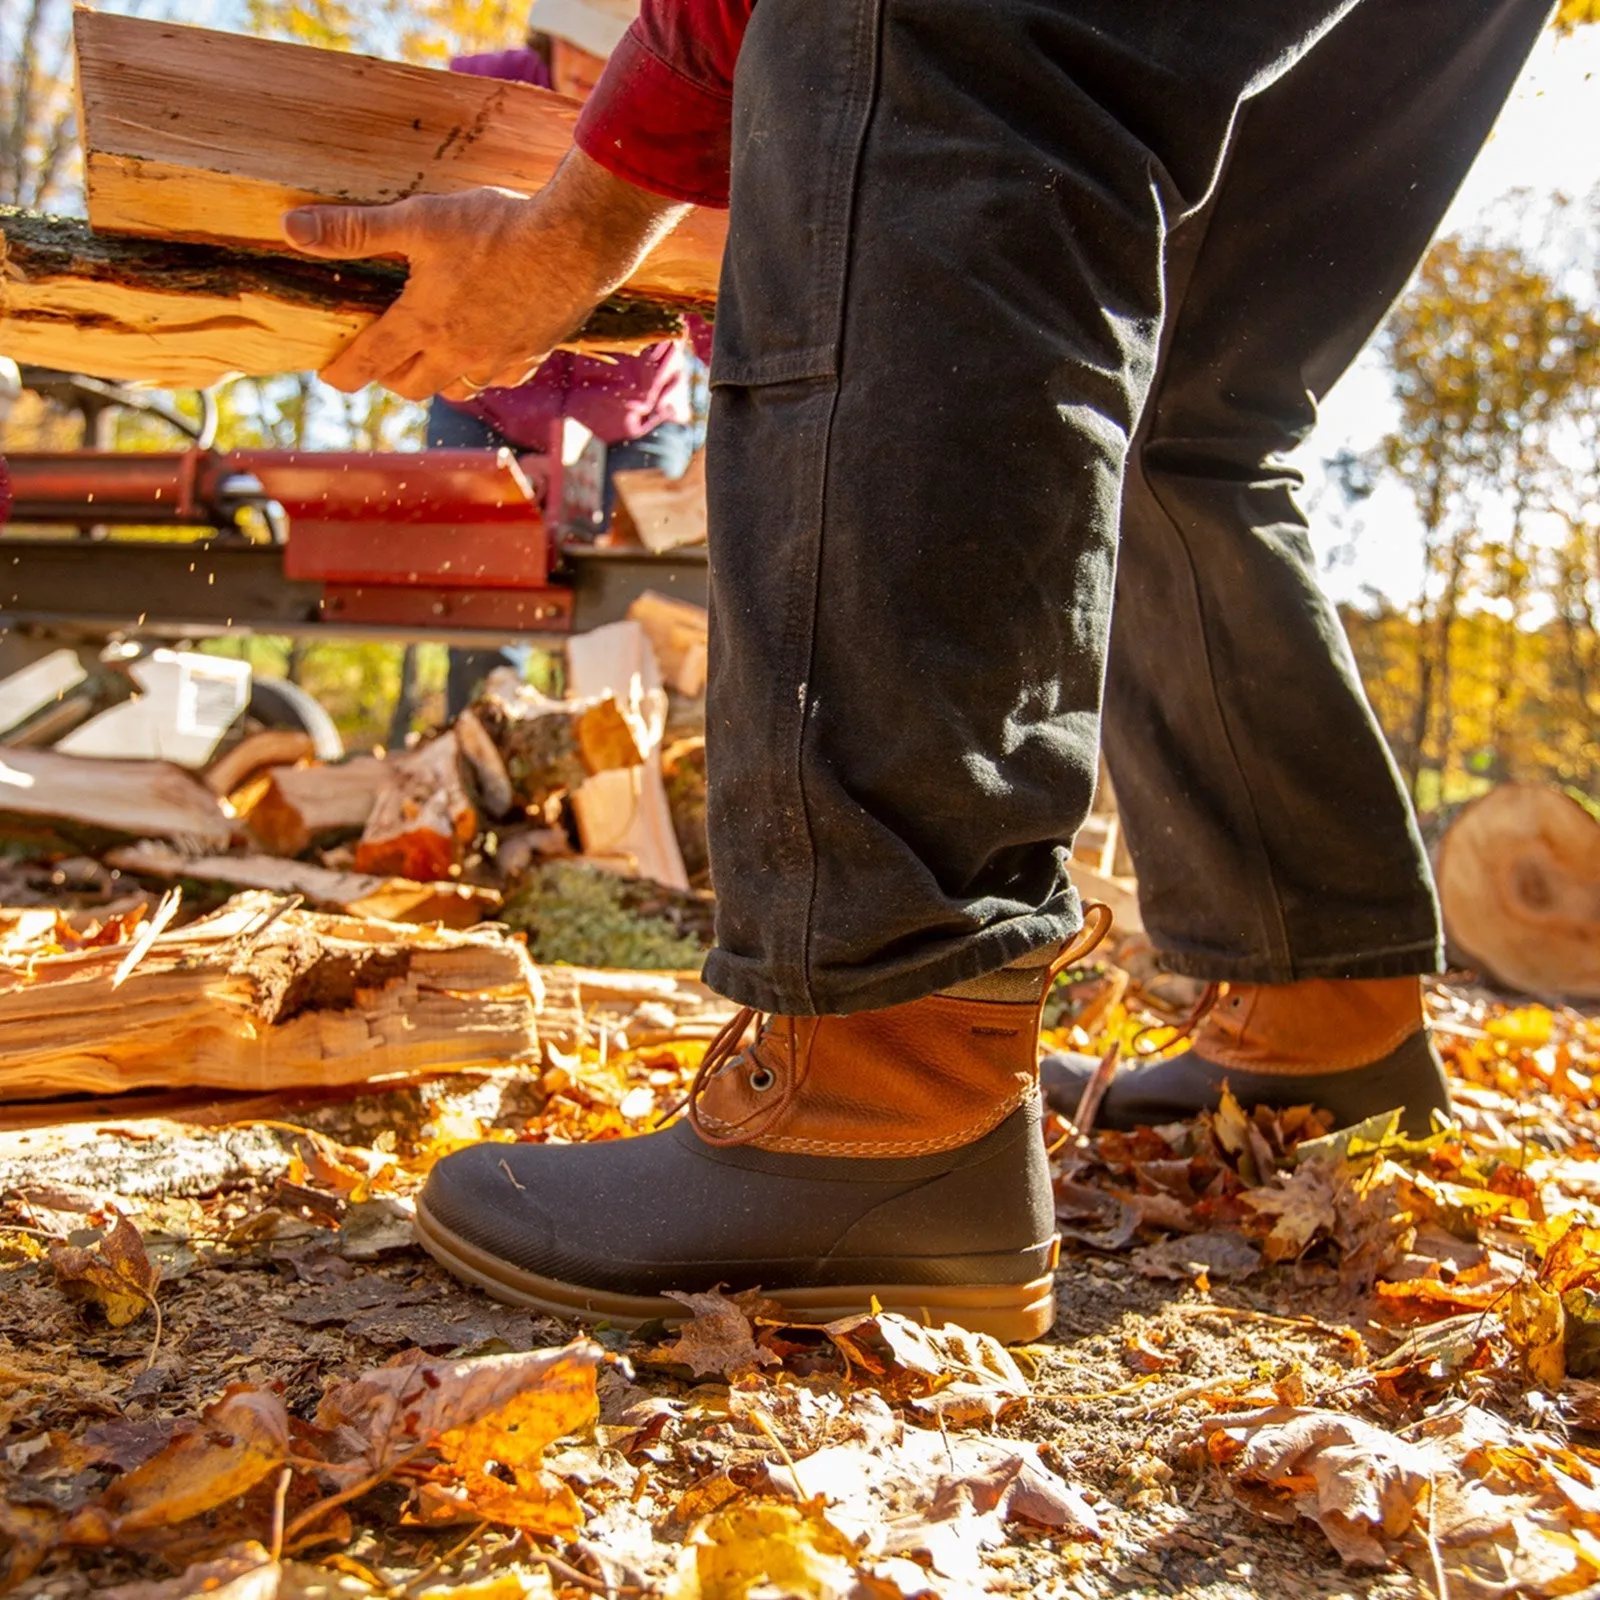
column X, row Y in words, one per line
column 497, row 279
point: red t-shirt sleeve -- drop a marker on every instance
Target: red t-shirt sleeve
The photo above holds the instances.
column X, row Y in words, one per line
column 661, row 114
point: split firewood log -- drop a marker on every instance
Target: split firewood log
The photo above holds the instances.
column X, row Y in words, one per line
column 262, row 996
column 289, row 809
column 194, row 133
column 63, row 803
column 624, row 817
column 359, row 894
column 679, row 634
column 549, row 746
column 665, row 513
column 164, row 312
column 271, row 747
column 1518, row 872
column 423, row 818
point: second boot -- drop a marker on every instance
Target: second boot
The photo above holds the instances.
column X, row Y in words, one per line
column 1353, row 1046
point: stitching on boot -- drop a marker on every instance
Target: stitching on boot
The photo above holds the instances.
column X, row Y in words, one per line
column 863, row 1147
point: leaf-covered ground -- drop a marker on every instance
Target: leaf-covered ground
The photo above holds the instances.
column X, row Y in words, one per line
column 1285, row 1363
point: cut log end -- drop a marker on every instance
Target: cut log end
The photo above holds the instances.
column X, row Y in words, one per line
column 1518, row 872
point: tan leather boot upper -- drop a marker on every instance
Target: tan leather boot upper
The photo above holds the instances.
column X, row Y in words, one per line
column 901, row 1081
column 904, row 1080
column 1316, row 1025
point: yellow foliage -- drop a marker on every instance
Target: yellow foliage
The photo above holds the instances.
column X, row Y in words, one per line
column 1574, row 13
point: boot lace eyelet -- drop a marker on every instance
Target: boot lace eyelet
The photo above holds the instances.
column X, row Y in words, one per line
column 762, row 1079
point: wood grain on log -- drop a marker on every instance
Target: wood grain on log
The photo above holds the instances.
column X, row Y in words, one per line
column 623, row 815
column 1519, row 887
column 679, row 634
column 257, row 998
column 193, row 133
column 288, row 809
column 47, row 799
column 423, row 819
column 666, row 513
column 164, row 312
column 270, row 747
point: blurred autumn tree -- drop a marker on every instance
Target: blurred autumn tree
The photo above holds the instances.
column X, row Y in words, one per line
column 37, row 127
column 1494, row 671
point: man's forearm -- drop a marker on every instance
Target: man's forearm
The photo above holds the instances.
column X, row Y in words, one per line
column 613, row 223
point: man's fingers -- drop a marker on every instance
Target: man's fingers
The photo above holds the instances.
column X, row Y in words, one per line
column 371, row 356
column 420, row 379
column 347, row 233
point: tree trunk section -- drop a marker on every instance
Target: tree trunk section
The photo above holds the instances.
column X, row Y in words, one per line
column 1519, row 886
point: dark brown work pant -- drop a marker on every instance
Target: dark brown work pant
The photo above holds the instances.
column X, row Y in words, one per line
column 1023, row 302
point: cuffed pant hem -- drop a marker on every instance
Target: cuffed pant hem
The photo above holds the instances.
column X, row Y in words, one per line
column 873, row 988
column 1398, row 961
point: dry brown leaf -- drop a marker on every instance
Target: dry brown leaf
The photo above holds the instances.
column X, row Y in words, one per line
column 1301, row 1204
column 1230, row 1125
column 947, row 1372
column 1362, row 1486
column 1572, row 1260
column 768, row 1547
column 1115, row 1218
column 487, row 1420
column 1535, row 1323
column 113, row 1273
column 1217, row 1254
column 245, row 1436
column 27, row 1535
column 499, row 1457
column 1139, row 1355
column 393, row 1410
column 247, row 1572
column 720, row 1338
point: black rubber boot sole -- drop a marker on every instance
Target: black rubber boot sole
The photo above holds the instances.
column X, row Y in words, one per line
column 596, row 1232
column 1410, row 1079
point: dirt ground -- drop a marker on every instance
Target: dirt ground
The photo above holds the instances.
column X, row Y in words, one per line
column 1179, row 1432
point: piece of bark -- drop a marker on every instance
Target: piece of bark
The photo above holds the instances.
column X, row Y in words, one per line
column 665, row 513
column 488, row 765
column 258, row 997
column 550, row 746
column 1518, row 872
column 189, row 315
column 360, row 894
column 271, row 747
column 49, row 800
column 679, row 634
column 423, row 818
column 188, row 132
column 289, row 809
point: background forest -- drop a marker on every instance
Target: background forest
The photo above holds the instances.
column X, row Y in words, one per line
column 1491, row 670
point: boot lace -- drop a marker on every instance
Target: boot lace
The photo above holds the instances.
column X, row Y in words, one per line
column 1143, row 1041
column 728, row 1046
column 722, row 1053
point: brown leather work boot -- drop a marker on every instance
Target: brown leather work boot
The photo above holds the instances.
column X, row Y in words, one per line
column 1354, row 1046
column 892, row 1153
